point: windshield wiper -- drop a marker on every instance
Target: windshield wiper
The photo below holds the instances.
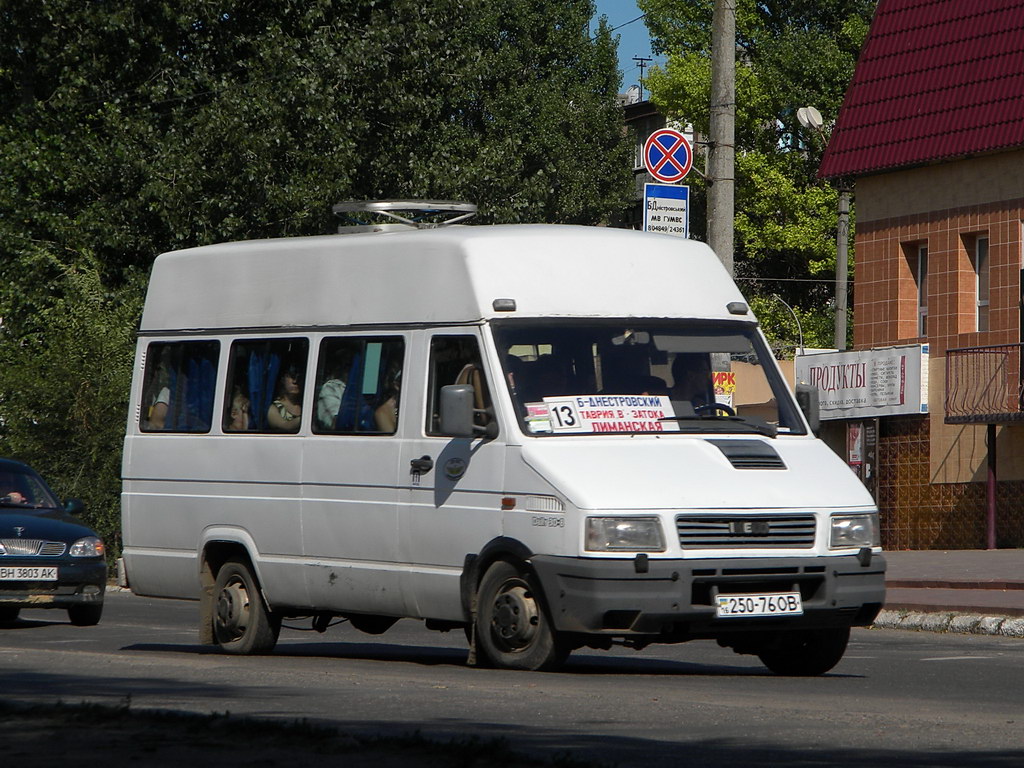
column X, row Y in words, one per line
column 769, row 430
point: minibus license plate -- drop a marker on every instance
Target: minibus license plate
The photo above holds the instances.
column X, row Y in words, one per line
column 28, row 573
column 738, row 606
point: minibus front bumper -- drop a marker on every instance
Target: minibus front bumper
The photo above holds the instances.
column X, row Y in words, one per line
column 675, row 599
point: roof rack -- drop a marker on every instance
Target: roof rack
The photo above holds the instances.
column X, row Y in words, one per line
column 415, row 214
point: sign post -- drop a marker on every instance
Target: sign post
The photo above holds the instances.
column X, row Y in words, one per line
column 668, row 157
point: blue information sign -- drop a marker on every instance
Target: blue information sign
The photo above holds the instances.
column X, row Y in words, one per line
column 667, row 209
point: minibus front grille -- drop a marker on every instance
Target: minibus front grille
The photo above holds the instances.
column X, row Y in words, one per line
column 746, row 532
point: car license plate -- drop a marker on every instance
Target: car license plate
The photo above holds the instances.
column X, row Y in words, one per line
column 28, row 573
column 740, row 606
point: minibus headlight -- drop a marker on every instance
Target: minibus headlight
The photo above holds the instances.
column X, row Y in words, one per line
column 855, row 531
column 90, row 546
column 629, row 534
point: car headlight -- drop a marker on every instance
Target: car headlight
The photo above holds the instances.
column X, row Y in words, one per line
column 616, row 534
column 855, row 531
column 90, row 546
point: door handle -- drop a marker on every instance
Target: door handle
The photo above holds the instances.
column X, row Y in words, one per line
column 422, row 465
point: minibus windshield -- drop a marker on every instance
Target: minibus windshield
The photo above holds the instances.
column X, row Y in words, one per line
column 570, row 377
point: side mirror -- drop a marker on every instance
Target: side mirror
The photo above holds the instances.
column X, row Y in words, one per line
column 807, row 399
column 458, row 413
column 457, row 410
column 74, row 506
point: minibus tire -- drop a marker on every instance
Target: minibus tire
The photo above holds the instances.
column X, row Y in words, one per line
column 805, row 653
column 513, row 630
column 85, row 615
column 241, row 623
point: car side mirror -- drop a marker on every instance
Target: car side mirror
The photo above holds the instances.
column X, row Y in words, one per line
column 807, row 399
column 458, row 412
column 74, row 506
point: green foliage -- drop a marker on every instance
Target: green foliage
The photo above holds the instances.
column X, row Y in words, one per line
column 790, row 54
column 65, row 390
column 129, row 129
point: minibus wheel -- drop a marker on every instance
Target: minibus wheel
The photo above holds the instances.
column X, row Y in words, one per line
column 513, row 630
column 241, row 622
column 804, row 653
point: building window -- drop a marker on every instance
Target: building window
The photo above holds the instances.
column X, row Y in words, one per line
column 921, row 281
column 980, row 262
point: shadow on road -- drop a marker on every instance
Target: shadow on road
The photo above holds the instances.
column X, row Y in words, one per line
column 580, row 663
column 39, row 736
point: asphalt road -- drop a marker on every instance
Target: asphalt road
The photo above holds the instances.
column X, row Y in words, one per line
column 897, row 698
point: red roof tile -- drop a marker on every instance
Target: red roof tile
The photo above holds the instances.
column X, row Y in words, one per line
column 936, row 80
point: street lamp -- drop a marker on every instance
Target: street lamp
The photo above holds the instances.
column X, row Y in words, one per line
column 799, row 330
column 809, row 117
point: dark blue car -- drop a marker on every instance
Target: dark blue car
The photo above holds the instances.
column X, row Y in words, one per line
column 48, row 557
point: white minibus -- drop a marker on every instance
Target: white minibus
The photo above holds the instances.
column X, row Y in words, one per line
column 549, row 437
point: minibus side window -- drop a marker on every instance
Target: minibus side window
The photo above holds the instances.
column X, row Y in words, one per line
column 178, row 386
column 358, row 385
column 456, row 360
column 265, row 385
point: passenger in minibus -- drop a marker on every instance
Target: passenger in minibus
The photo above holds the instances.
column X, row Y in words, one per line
column 239, row 413
column 691, row 379
column 286, row 409
column 385, row 415
column 157, row 416
column 626, row 371
column 328, row 400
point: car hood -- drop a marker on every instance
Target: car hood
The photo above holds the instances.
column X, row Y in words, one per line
column 48, row 524
column 683, row 472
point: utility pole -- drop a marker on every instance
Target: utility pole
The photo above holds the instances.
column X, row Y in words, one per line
column 643, row 62
column 722, row 161
column 842, row 243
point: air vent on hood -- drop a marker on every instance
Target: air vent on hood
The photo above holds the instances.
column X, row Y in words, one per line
column 749, row 454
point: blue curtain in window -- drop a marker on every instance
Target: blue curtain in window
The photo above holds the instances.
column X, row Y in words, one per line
column 263, row 369
column 199, row 397
column 354, row 414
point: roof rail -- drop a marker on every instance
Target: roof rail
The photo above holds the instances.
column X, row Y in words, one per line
column 415, row 214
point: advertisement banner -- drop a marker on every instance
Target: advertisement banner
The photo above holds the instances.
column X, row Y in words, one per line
column 870, row 382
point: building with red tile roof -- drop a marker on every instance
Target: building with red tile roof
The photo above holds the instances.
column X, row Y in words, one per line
column 932, row 134
column 937, row 80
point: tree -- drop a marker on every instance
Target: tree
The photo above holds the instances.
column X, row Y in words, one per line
column 64, row 390
column 790, row 54
column 128, row 129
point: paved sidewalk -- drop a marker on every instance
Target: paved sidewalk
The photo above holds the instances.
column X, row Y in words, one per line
column 973, row 591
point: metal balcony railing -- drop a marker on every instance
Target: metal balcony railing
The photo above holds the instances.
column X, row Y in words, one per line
column 983, row 385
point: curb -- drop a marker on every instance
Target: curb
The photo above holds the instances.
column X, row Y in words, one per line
column 951, row 622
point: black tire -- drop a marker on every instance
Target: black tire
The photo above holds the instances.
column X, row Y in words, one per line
column 9, row 615
column 513, row 630
column 241, row 622
column 85, row 615
column 806, row 653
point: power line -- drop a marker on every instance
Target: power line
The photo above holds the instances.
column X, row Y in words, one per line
column 626, row 24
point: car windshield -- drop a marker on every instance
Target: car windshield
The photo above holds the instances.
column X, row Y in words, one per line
column 634, row 376
column 20, row 488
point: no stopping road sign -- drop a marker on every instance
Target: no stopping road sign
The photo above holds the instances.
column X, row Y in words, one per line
column 668, row 155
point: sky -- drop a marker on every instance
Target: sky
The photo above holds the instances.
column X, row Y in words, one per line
column 633, row 37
